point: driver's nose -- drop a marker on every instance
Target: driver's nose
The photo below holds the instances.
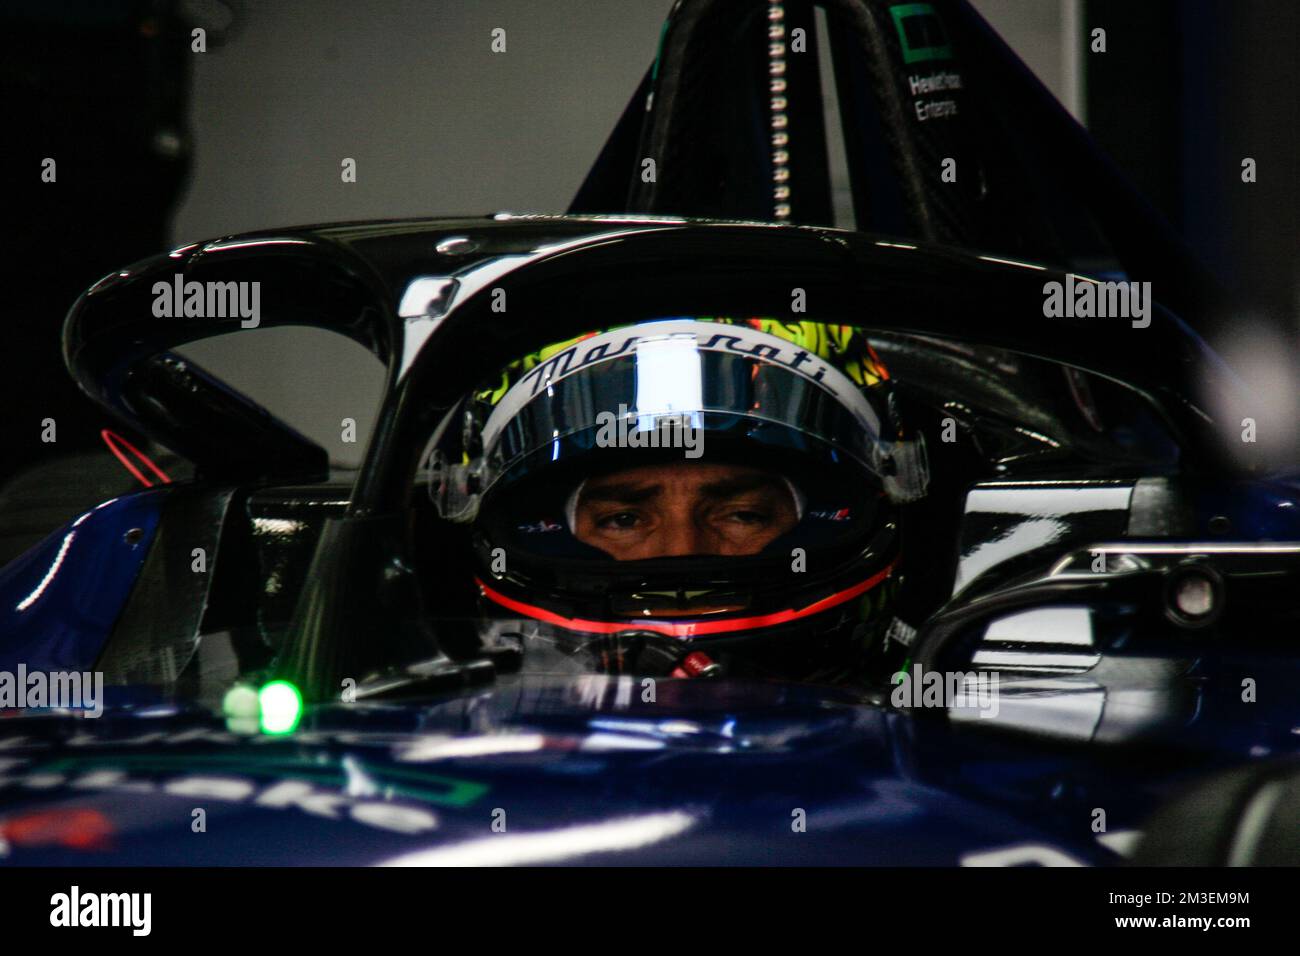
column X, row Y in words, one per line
column 680, row 536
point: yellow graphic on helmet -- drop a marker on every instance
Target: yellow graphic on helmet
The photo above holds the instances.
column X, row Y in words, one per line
column 843, row 346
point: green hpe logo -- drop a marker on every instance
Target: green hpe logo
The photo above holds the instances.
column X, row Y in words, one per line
column 920, row 33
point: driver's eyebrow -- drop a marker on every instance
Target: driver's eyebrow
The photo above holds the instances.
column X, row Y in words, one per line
column 731, row 487
column 623, row 493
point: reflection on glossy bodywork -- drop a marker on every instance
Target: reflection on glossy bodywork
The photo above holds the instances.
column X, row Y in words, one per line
column 60, row 600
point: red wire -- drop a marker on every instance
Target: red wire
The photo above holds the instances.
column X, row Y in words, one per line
column 111, row 439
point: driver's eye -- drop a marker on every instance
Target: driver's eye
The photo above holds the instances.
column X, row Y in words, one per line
column 747, row 517
column 619, row 520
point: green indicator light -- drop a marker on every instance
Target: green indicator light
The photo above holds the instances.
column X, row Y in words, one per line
column 281, row 706
column 240, row 701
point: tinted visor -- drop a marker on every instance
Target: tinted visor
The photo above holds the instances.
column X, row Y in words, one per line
column 680, row 388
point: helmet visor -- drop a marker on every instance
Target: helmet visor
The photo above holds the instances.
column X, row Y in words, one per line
column 694, row 388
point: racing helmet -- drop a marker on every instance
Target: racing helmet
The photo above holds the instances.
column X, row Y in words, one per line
column 685, row 497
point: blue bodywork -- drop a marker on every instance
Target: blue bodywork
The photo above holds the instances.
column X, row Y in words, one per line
column 531, row 771
column 60, row 600
column 585, row 770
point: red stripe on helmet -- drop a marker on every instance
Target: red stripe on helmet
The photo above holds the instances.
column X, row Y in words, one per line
column 686, row 629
